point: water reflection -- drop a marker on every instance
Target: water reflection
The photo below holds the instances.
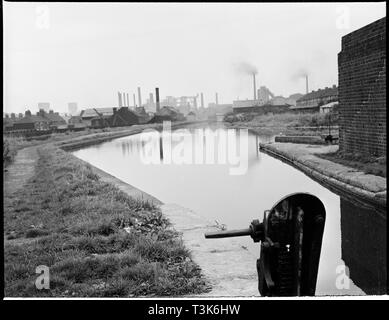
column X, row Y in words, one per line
column 364, row 246
column 235, row 200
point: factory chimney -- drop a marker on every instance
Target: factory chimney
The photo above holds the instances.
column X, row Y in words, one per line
column 124, row 99
column 216, row 99
column 306, row 84
column 202, row 100
column 134, row 100
column 255, row 87
column 139, row 98
column 120, row 99
column 157, row 99
column 128, row 99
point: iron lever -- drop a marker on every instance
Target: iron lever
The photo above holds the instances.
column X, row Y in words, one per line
column 255, row 231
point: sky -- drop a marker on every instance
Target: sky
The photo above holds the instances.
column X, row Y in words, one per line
column 87, row 52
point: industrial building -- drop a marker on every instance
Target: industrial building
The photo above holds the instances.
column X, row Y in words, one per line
column 88, row 114
column 167, row 114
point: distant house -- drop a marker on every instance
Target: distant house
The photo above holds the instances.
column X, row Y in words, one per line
column 125, row 117
column 313, row 100
column 101, row 121
column 75, row 120
column 325, row 108
column 54, row 118
column 191, row 116
column 167, row 114
column 8, row 122
column 32, row 122
column 88, row 114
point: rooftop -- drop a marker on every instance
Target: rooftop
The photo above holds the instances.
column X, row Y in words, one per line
column 326, row 92
column 90, row 113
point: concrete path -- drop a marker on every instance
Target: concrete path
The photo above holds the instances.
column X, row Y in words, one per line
column 19, row 170
column 15, row 176
column 334, row 175
column 229, row 268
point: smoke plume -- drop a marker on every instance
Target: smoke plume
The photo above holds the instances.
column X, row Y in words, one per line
column 245, row 68
column 300, row 73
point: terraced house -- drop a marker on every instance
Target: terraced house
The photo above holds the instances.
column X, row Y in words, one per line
column 32, row 122
column 314, row 99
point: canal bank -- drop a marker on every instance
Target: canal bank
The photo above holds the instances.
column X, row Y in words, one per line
column 337, row 177
column 214, row 258
column 228, row 267
column 97, row 240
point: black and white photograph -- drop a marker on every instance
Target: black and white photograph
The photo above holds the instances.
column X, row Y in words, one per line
column 194, row 151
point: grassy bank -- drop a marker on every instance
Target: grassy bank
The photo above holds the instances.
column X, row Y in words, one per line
column 96, row 240
column 285, row 123
column 12, row 144
column 11, row 147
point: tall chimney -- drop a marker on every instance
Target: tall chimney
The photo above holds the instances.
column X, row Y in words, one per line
column 202, row 100
column 151, row 98
column 139, row 98
column 124, row 99
column 306, row 83
column 134, row 100
column 120, row 99
column 157, row 99
column 128, row 99
column 255, row 88
column 216, row 99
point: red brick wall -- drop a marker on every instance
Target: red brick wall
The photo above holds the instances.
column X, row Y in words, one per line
column 362, row 90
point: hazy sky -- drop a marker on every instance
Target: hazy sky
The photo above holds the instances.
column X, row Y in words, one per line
column 85, row 53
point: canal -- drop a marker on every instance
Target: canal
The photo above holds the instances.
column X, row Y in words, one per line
column 233, row 188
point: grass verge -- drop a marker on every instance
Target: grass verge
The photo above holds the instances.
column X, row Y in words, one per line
column 96, row 240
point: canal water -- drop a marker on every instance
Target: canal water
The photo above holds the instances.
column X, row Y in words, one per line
column 222, row 176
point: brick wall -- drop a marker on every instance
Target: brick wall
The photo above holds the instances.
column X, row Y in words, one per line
column 364, row 238
column 362, row 90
